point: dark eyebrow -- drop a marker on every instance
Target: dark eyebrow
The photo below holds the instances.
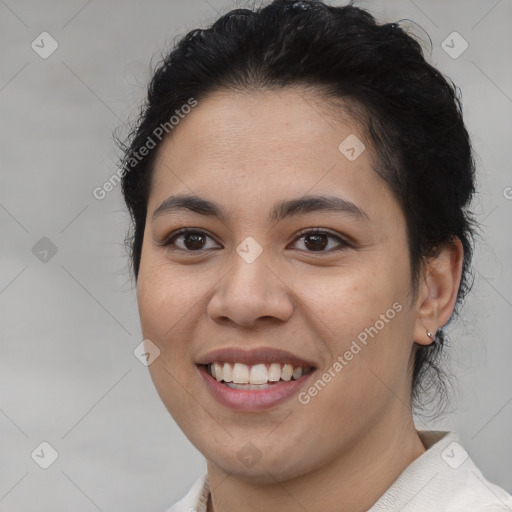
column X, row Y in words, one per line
column 287, row 208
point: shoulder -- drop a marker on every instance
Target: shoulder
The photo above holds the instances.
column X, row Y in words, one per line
column 470, row 491
column 463, row 485
column 196, row 498
column 444, row 478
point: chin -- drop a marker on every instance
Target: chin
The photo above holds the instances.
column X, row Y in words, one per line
column 267, row 469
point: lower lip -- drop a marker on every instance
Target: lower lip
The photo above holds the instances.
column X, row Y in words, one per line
column 253, row 400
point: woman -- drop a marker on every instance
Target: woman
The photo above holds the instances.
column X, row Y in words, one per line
column 299, row 183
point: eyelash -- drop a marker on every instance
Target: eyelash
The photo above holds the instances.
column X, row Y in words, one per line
column 301, row 234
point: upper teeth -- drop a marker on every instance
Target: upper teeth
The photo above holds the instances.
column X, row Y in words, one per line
column 240, row 373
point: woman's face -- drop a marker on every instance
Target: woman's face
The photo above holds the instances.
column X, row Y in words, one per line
column 258, row 281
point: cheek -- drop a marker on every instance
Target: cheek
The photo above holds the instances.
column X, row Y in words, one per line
column 165, row 297
column 166, row 307
column 346, row 299
column 363, row 317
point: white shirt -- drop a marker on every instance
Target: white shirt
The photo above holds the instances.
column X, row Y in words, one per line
column 442, row 479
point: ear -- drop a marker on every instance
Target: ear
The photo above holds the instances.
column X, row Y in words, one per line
column 437, row 291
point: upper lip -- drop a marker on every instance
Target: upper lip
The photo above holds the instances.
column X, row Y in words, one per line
column 253, row 356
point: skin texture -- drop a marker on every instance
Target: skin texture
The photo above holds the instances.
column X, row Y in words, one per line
column 246, row 152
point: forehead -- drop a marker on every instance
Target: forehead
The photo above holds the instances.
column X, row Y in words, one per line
column 228, row 125
column 266, row 145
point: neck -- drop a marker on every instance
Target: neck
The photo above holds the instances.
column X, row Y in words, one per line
column 356, row 479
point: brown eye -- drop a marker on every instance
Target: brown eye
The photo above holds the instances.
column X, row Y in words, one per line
column 191, row 240
column 318, row 241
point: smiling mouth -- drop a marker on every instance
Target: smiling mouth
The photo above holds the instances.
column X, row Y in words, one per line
column 254, row 377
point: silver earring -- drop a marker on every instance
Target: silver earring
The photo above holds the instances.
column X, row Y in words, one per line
column 431, row 336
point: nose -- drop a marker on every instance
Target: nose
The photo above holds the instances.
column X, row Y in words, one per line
column 250, row 293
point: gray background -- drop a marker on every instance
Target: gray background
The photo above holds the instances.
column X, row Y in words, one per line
column 69, row 325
